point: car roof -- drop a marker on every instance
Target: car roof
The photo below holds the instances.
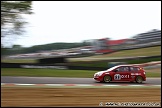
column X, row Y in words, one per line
column 127, row 65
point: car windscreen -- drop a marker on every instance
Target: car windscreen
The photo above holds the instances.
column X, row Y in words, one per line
column 112, row 68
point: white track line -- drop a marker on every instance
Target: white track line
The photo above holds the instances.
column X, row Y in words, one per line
column 77, row 85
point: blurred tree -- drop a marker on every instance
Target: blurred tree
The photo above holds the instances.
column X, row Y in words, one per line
column 12, row 22
column 16, row 47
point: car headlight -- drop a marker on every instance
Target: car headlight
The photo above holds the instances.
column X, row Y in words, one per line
column 99, row 74
column 96, row 74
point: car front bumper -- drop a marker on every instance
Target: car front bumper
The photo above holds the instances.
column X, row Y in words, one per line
column 98, row 78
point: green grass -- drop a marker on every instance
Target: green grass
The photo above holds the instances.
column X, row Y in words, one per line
column 150, row 51
column 106, row 63
column 46, row 72
column 142, row 60
column 153, row 72
column 19, row 60
column 61, row 73
column 102, row 60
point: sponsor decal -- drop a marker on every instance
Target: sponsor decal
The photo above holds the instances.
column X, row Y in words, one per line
column 132, row 74
column 135, row 73
column 119, row 77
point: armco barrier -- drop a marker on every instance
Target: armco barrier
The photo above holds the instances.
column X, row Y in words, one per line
column 86, row 68
column 25, row 65
column 131, row 58
column 52, row 60
column 40, row 65
column 43, row 66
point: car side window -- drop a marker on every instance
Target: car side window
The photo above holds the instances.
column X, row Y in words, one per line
column 122, row 69
column 126, row 69
column 117, row 69
column 131, row 68
column 135, row 69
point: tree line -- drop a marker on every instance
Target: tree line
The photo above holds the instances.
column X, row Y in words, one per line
column 17, row 49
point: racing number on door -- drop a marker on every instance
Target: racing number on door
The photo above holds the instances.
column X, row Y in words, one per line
column 119, row 77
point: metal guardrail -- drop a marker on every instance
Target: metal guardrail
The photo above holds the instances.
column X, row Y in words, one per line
column 65, row 66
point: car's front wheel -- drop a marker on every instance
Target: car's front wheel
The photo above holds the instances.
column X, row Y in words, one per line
column 139, row 79
column 107, row 78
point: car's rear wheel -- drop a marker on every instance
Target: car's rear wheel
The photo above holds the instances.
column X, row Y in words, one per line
column 107, row 78
column 139, row 79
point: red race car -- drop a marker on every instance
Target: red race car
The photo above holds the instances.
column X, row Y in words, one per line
column 122, row 73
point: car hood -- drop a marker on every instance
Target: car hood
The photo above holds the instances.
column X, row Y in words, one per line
column 101, row 72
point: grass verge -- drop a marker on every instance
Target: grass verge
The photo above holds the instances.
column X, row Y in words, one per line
column 150, row 51
column 76, row 97
column 46, row 73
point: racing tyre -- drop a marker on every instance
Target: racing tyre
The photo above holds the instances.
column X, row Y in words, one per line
column 139, row 79
column 107, row 78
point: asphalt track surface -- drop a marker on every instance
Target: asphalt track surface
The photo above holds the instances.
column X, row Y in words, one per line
column 64, row 80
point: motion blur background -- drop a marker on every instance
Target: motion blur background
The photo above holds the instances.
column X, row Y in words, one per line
column 76, row 39
column 21, row 24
